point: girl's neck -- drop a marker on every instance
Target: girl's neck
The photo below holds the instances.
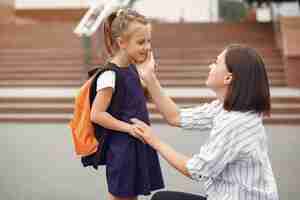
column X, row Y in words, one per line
column 121, row 60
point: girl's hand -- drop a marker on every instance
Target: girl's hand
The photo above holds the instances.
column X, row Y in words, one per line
column 147, row 68
column 144, row 131
column 132, row 130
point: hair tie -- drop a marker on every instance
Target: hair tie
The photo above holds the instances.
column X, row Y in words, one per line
column 119, row 12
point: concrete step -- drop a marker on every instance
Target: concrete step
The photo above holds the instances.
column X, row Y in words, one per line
column 55, row 82
column 80, row 74
column 201, row 51
column 67, row 107
column 42, row 76
column 193, row 99
column 204, row 68
column 206, row 61
column 155, row 118
column 41, row 108
column 276, row 108
column 201, row 83
column 35, row 118
column 285, row 109
column 203, row 75
column 180, row 61
column 45, row 57
column 17, row 62
column 159, row 54
column 210, row 50
column 274, row 119
column 42, row 70
column 42, row 51
column 40, row 83
column 68, row 65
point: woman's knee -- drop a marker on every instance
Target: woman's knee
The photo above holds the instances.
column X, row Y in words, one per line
column 174, row 195
column 159, row 195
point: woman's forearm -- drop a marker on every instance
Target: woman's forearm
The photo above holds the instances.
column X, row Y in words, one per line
column 164, row 103
column 175, row 159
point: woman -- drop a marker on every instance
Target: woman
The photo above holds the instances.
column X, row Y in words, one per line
column 233, row 163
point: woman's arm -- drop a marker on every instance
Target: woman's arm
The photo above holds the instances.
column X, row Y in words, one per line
column 213, row 158
column 175, row 159
column 164, row 103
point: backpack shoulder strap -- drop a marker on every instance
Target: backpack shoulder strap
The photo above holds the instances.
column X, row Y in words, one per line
column 135, row 70
column 93, row 89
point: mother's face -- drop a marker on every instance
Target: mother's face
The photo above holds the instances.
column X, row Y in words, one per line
column 219, row 77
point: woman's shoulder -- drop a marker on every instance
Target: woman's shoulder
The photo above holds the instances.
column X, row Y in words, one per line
column 214, row 107
column 241, row 120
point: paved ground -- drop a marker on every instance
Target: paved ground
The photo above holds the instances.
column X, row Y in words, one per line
column 37, row 163
column 37, row 160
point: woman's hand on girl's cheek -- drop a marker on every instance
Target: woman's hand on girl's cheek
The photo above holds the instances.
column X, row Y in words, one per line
column 147, row 68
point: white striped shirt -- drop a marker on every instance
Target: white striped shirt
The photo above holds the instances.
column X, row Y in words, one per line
column 233, row 163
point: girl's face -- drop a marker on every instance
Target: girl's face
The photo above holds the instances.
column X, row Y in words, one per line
column 138, row 42
column 219, row 77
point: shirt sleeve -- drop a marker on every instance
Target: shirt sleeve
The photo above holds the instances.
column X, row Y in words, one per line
column 200, row 117
column 214, row 156
column 106, row 79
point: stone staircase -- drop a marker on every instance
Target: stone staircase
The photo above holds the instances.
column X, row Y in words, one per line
column 39, row 55
column 186, row 50
column 285, row 110
column 55, row 67
column 49, row 55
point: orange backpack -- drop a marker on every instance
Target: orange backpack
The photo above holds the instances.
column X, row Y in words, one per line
column 85, row 139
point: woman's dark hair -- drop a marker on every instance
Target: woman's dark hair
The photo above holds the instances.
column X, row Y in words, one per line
column 249, row 89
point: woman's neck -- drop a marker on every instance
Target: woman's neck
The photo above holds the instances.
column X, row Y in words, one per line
column 220, row 94
column 120, row 60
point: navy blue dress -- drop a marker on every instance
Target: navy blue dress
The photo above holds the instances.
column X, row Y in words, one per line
column 132, row 167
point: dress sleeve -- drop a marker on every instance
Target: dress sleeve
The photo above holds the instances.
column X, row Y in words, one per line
column 200, row 117
column 106, row 79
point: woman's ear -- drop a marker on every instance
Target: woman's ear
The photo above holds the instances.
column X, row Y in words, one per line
column 228, row 79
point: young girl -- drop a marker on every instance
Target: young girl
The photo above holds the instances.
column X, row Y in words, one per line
column 132, row 167
column 233, row 163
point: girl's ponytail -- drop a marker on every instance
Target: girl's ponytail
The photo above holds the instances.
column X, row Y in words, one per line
column 108, row 40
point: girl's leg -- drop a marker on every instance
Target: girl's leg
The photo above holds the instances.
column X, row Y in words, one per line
column 170, row 195
column 112, row 197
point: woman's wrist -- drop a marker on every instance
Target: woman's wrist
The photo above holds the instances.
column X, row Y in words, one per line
column 150, row 78
column 153, row 141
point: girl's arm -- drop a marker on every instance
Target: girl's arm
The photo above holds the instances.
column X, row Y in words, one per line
column 103, row 118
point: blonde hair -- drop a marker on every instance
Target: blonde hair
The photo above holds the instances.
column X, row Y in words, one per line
column 116, row 24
